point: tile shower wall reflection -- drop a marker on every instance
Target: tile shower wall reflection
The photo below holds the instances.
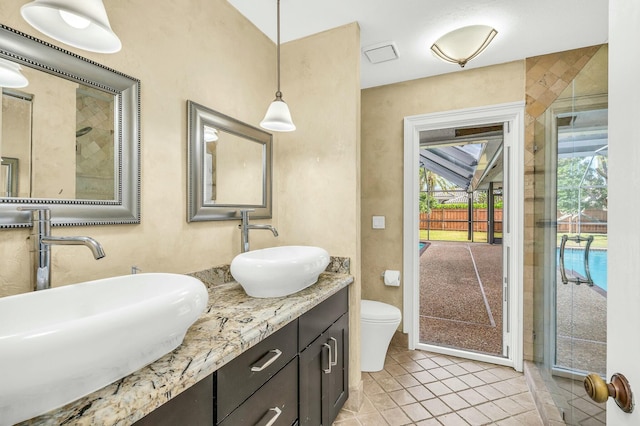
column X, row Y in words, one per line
column 95, row 171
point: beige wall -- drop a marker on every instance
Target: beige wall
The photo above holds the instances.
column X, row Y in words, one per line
column 383, row 111
column 317, row 167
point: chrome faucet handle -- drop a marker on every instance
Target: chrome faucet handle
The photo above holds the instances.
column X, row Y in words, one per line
column 244, row 216
column 37, row 213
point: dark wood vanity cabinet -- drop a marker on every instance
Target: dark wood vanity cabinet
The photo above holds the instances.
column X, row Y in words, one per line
column 324, row 373
column 298, row 375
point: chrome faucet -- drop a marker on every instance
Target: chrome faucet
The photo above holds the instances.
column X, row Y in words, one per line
column 245, row 226
column 42, row 242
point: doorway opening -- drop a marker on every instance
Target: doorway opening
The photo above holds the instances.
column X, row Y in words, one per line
column 460, row 262
column 504, row 168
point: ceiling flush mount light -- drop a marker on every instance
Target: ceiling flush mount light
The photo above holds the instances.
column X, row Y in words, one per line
column 10, row 75
column 278, row 117
column 79, row 23
column 462, row 45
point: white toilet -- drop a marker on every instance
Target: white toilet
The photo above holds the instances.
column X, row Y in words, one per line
column 378, row 322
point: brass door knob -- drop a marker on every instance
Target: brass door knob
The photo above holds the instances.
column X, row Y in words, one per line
column 618, row 389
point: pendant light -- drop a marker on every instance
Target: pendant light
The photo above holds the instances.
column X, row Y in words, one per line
column 278, row 117
column 10, row 75
column 79, row 23
column 462, row 45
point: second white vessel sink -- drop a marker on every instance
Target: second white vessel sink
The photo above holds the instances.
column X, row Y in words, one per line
column 279, row 271
column 60, row 344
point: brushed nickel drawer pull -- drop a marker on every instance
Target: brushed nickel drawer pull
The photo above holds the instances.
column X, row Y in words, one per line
column 328, row 370
column 267, row 362
column 334, row 361
column 272, row 420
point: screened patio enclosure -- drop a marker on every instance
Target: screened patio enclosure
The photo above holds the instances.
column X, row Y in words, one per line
column 461, row 188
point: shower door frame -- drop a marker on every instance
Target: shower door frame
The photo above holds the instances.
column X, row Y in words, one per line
column 512, row 115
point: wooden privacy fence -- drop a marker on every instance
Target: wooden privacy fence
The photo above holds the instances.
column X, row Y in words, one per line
column 589, row 222
column 457, row 220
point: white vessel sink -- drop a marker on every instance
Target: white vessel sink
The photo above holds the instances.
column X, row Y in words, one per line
column 60, row 344
column 279, row 271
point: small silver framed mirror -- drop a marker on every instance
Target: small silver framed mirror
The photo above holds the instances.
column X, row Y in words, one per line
column 229, row 167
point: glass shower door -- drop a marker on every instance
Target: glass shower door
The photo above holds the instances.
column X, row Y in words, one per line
column 581, row 242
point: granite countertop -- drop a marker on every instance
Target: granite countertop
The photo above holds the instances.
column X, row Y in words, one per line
column 232, row 323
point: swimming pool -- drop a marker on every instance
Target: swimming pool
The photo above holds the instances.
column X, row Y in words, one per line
column 422, row 246
column 574, row 260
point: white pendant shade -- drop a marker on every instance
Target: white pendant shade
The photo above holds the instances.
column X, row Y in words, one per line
column 278, row 117
column 10, row 75
column 210, row 134
column 462, row 45
column 79, row 23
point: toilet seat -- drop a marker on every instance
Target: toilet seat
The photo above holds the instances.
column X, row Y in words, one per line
column 378, row 312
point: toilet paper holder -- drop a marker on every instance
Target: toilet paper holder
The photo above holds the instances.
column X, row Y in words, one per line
column 391, row 278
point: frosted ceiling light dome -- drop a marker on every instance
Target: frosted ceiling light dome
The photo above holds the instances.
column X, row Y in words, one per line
column 10, row 75
column 79, row 23
column 462, row 45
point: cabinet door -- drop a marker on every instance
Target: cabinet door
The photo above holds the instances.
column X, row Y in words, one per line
column 324, row 375
column 337, row 386
column 313, row 360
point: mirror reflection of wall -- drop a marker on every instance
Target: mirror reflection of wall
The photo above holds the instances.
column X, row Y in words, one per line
column 9, row 177
column 62, row 134
column 210, row 139
column 15, row 146
column 240, row 161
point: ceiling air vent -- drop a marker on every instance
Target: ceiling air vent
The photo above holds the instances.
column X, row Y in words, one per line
column 381, row 52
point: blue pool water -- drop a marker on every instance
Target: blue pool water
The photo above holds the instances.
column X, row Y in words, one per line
column 574, row 260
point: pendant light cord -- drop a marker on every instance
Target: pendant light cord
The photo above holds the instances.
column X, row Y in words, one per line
column 278, row 93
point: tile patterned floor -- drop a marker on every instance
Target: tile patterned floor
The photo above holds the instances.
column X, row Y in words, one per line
column 422, row 388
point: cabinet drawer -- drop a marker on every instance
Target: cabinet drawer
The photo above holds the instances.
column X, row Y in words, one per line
column 278, row 397
column 236, row 381
column 316, row 321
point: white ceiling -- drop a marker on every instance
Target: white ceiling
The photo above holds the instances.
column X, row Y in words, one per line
column 525, row 28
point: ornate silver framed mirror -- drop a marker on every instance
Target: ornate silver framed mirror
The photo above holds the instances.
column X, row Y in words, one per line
column 75, row 131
